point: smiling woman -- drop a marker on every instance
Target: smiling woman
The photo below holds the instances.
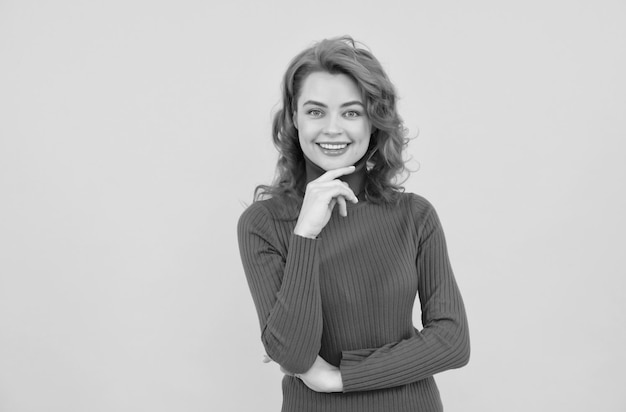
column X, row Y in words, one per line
column 358, row 75
column 335, row 252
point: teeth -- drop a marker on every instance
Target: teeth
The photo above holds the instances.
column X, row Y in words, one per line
column 333, row 146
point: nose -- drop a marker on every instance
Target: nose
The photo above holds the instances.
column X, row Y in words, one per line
column 332, row 126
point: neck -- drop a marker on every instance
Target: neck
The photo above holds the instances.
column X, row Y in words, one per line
column 356, row 179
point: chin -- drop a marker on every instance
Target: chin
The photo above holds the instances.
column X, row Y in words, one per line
column 331, row 165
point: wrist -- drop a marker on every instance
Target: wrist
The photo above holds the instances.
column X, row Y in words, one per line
column 304, row 233
column 338, row 382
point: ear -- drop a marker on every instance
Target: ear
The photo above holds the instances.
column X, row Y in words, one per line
column 294, row 119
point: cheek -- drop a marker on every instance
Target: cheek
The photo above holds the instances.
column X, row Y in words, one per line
column 364, row 131
column 306, row 130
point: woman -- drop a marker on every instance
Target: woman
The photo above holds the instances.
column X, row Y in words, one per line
column 337, row 252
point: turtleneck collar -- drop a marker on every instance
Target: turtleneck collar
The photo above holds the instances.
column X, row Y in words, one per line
column 356, row 179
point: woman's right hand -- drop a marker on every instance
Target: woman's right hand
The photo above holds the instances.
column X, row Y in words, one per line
column 320, row 198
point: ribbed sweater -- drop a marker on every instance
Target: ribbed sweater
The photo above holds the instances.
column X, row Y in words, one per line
column 348, row 296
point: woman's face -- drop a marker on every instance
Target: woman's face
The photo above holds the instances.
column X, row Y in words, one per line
column 333, row 127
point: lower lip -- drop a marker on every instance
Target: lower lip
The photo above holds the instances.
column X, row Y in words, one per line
column 334, row 152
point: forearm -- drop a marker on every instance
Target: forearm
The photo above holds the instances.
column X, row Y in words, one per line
column 435, row 349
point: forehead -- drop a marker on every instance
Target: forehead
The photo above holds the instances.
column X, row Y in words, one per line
column 329, row 88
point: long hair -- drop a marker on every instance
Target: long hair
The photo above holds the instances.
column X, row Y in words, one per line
column 385, row 163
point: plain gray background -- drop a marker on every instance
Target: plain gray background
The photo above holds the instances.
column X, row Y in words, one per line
column 132, row 133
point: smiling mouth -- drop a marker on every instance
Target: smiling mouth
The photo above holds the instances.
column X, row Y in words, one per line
column 333, row 149
column 333, row 146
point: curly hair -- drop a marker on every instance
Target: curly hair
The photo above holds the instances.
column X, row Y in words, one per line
column 385, row 163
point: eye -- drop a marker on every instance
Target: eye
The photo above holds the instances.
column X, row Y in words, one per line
column 351, row 114
column 315, row 113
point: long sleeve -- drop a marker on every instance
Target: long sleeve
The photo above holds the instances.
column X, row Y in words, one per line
column 285, row 289
column 444, row 341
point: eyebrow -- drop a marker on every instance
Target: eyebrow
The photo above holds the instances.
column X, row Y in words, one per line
column 316, row 103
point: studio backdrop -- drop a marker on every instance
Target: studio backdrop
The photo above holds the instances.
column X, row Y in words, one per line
column 133, row 133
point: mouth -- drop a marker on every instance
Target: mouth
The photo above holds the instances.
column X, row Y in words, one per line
column 333, row 149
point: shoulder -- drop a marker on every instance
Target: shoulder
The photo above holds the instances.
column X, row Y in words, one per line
column 258, row 213
column 253, row 212
column 264, row 214
column 417, row 205
column 422, row 212
column 255, row 223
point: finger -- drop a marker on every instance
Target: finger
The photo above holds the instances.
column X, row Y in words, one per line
column 335, row 173
column 343, row 210
column 347, row 194
column 353, row 197
column 331, row 204
column 338, row 188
